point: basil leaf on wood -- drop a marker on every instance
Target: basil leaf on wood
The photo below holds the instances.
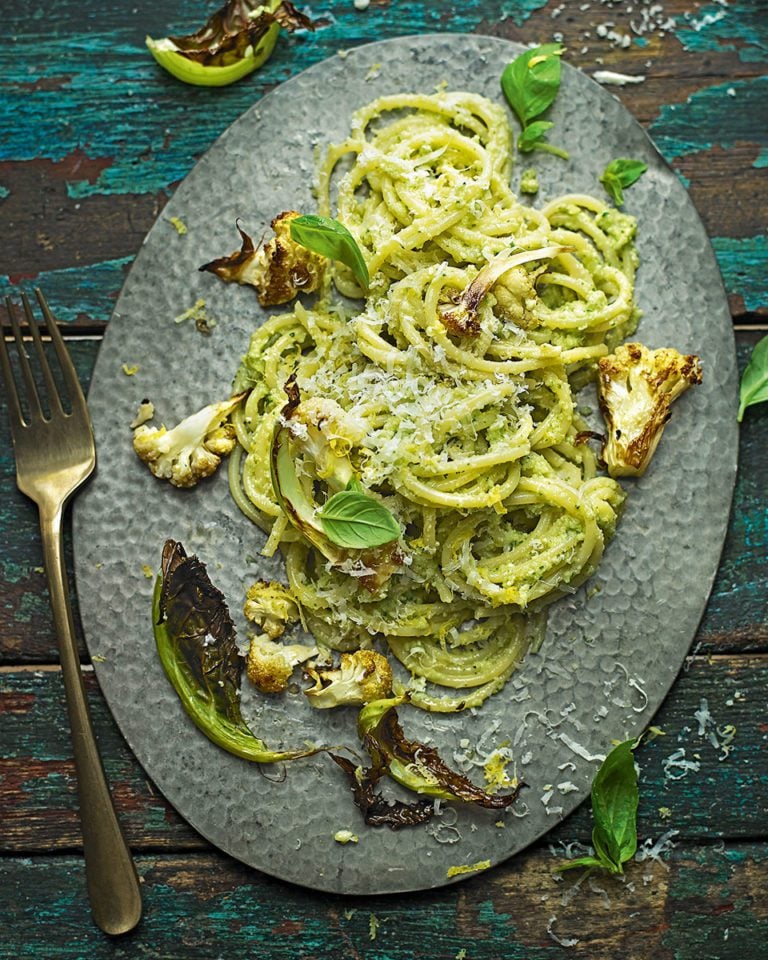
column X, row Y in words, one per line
column 619, row 174
column 530, row 84
column 615, row 797
column 754, row 380
column 356, row 521
column 614, row 806
column 330, row 238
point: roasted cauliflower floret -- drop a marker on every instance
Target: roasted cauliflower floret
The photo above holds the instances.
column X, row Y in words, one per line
column 272, row 607
column 362, row 677
column 327, row 433
column 516, row 298
column 279, row 269
column 462, row 318
column 269, row 665
column 191, row 450
column 636, row 387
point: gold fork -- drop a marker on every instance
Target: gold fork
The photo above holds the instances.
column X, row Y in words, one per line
column 55, row 454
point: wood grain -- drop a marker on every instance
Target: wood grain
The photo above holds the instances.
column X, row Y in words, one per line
column 99, row 139
column 723, row 799
column 702, row 903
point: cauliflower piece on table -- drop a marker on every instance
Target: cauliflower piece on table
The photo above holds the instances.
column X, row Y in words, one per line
column 193, row 449
column 636, row 387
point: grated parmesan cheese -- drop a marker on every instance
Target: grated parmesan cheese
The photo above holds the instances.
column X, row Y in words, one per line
column 562, row 941
column 617, row 79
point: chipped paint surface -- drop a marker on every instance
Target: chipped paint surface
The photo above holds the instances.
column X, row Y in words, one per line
column 88, row 291
column 103, row 132
column 709, row 117
column 744, row 265
column 719, row 27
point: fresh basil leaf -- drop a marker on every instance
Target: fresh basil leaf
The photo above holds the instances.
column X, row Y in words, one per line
column 615, row 797
column 612, row 185
column 605, row 850
column 532, row 134
column 621, row 173
column 356, row 521
column 754, row 380
column 531, row 81
column 331, row 239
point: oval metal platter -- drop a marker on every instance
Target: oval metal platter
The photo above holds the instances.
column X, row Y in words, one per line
column 612, row 650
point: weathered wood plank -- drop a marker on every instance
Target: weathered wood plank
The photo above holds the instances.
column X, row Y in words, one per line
column 703, row 903
column 723, row 799
column 101, row 136
column 26, row 627
column 736, row 617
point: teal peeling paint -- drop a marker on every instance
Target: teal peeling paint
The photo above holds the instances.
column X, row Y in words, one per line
column 683, row 179
column 740, row 26
column 694, row 931
column 762, row 159
column 520, row 10
column 13, row 572
column 88, row 291
column 138, row 115
column 744, row 266
column 712, row 117
column 53, row 790
column 500, row 924
column 4, row 192
column 30, row 606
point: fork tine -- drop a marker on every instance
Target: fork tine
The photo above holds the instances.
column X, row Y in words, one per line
column 14, row 408
column 35, row 410
column 53, row 391
column 71, row 379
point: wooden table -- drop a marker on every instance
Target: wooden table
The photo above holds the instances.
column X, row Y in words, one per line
column 95, row 138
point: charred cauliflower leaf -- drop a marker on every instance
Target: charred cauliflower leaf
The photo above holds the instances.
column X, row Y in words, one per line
column 279, row 269
column 636, row 388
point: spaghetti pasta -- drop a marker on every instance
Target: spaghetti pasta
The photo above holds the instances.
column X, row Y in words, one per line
column 470, row 436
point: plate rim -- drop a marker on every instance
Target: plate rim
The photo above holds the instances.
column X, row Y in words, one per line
column 418, row 40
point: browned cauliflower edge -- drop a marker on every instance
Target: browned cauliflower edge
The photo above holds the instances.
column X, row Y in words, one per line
column 636, row 387
column 362, row 677
column 269, row 664
column 279, row 269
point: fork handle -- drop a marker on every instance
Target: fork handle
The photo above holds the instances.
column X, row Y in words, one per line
column 113, row 886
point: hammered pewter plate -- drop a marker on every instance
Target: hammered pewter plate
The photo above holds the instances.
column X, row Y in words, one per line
column 612, row 650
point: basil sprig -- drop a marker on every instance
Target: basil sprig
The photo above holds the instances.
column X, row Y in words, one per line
column 530, row 84
column 754, row 380
column 356, row 521
column 615, row 797
column 619, row 174
column 331, row 239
